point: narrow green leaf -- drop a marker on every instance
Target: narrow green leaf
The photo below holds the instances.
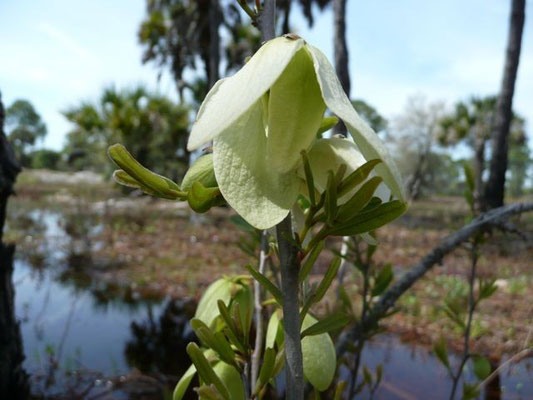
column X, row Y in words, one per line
column 330, row 323
column 330, row 204
column 469, row 175
column 267, row 369
column 267, row 284
column 325, row 283
column 205, row 370
column 441, row 351
column 359, row 200
column 310, row 261
column 241, row 223
column 384, row 278
column 183, row 383
column 201, row 199
column 309, row 178
column 367, row 376
column 339, row 390
column 357, row 177
column 339, row 175
column 370, row 220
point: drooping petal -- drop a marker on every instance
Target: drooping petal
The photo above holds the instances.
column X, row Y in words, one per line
column 328, row 155
column 232, row 97
column 294, row 113
column 260, row 194
column 366, row 139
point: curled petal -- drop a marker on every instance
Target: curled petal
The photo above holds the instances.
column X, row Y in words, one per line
column 232, row 97
column 295, row 112
column 366, row 139
column 260, row 194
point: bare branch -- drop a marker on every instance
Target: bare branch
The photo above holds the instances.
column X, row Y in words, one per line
column 489, row 219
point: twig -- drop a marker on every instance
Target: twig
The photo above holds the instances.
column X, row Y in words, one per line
column 517, row 357
column 256, row 356
column 435, row 256
column 289, row 267
column 468, row 328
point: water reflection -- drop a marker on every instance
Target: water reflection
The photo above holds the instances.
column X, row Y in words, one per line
column 85, row 336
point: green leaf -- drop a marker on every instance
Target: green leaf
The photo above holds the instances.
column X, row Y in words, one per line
column 339, row 390
column 359, row 200
column 215, row 341
column 266, row 283
column 441, row 351
column 159, row 184
column 202, row 170
column 183, row 383
column 326, row 124
column 309, row 178
column 470, row 391
column 310, row 261
column 332, row 322
column 266, row 373
column 469, row 175
column 241, row 223
column 357, row 177
column 367, row 376
column 319, row 358
column 487, row 288
column 207, row 309
column 370, row 220
column 201, row 199
column 205, row 370
column 384, row 278
column 231, row 379
column 330, row 204
column 274, row 333
column 325, row 283
column 482, row 367
column 244, row 298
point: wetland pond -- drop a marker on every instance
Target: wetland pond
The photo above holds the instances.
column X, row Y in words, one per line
column 84, row 337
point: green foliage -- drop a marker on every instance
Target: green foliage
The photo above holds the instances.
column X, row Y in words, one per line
column 24, row 127
column 45, row 159
column 377, row 122
column 151, row 126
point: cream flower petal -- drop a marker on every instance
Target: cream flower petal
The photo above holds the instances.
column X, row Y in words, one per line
column 260, row 194
column 366, row 139
column 295, row 112
column 232, row 97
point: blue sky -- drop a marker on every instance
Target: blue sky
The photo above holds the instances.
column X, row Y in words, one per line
column 58, row 52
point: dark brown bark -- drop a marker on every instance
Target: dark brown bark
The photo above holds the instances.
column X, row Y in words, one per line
column 494, row 194
column 13, row 378
column 341, row 52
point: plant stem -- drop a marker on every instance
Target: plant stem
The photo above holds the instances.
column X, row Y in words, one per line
column 471, row 309
column 289, row 267
column 256, row 356
column 267, row 20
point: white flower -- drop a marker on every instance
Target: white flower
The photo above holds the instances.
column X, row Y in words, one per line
column 263, row 116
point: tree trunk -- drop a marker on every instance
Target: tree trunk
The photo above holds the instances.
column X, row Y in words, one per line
column 214, row 43
column 494, row 194
column 479, row 168
column 286, row 28
column 13, row 378
column 341, row 52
